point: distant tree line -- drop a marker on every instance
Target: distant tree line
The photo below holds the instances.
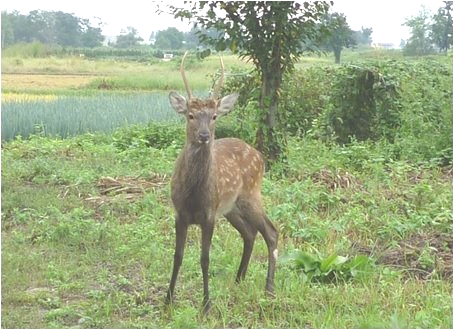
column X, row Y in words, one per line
column 68, row 30
column 49, row 27
column 340, row 36
column 173, row 39
column 428, row 33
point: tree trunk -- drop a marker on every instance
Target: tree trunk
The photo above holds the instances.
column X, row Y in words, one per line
column 267, row 142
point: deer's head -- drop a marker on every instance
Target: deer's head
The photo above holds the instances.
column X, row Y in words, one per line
column 201, row 115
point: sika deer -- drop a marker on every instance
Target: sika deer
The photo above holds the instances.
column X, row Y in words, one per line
column 213, row 178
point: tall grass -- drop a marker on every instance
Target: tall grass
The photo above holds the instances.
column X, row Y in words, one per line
column 73, row 115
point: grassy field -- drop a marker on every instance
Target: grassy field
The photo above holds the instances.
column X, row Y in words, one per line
column 88, row 233
column 50, row 95
column 41, row 74
column 87, row 241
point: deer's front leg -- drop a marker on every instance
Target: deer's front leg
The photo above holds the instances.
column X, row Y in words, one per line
column 181, row 230
column 207, row 234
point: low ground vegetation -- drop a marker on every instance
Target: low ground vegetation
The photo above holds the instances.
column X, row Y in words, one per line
column 87, row 241
column 365, row 231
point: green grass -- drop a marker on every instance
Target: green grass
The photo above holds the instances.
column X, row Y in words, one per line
column 132, row 75
column 76, row 256
column 74, row 115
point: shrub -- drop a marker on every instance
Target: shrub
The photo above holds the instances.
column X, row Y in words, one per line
column 407, row 104
column 156, row 135
column 426, row 115
column 304, row 96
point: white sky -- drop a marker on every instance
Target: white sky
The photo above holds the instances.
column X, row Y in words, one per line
column 384, row 16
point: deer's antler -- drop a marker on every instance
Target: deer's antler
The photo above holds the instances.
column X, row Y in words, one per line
column 220, row 84
column 183, row 75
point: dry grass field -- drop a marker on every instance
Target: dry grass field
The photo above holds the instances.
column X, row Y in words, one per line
column 44, row 81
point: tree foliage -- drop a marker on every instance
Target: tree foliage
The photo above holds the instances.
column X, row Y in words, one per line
column 49, row 27
column 128, row 38
column 272, row 35
column 340, row 34
column 419, row 42
column 404, row 104
column 441, row 28
column 171, row 38
column 363, row 37
column 192, row 39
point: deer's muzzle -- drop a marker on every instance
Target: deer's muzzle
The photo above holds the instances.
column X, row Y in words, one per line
column 204, row 137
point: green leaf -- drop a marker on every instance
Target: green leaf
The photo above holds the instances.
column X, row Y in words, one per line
column 306, row 261
column 359, row 264
column 326, row 264
column 233, row 46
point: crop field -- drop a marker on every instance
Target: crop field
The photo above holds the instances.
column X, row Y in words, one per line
column 66, row 116
column 88, row 227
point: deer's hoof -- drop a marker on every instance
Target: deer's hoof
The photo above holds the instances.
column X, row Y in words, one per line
column 269, row 290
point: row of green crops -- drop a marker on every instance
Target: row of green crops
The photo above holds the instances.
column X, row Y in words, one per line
column 73, row 115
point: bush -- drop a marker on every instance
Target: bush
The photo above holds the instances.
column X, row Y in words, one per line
column 304, row 96
column 407, row 104
column 155, row 135
column 426, row 112
column 362, row 103
column 242, row 122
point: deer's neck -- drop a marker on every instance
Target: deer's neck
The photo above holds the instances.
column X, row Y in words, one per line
column 196, row 173
column 199, row 161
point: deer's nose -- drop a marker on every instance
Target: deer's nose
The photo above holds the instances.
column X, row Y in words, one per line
column 204, row 137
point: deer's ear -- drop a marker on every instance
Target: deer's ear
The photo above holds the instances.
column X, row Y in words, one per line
column 227, row 103
column 178, row 102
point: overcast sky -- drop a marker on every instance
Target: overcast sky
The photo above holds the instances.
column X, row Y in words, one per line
column 385, row 17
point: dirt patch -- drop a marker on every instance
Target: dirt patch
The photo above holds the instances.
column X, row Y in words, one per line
column 421, row 255
column 127, row 187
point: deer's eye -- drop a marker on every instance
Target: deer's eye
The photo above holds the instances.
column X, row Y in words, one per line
column 190, row 116
column 215, row 116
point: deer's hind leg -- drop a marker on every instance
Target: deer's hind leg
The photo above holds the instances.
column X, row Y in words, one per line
column 248, row 233
column 254, row 215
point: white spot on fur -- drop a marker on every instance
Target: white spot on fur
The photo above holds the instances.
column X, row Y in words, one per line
column 275, row 254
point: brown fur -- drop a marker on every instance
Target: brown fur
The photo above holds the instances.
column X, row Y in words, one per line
column 218, row 177
column 196, row 104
